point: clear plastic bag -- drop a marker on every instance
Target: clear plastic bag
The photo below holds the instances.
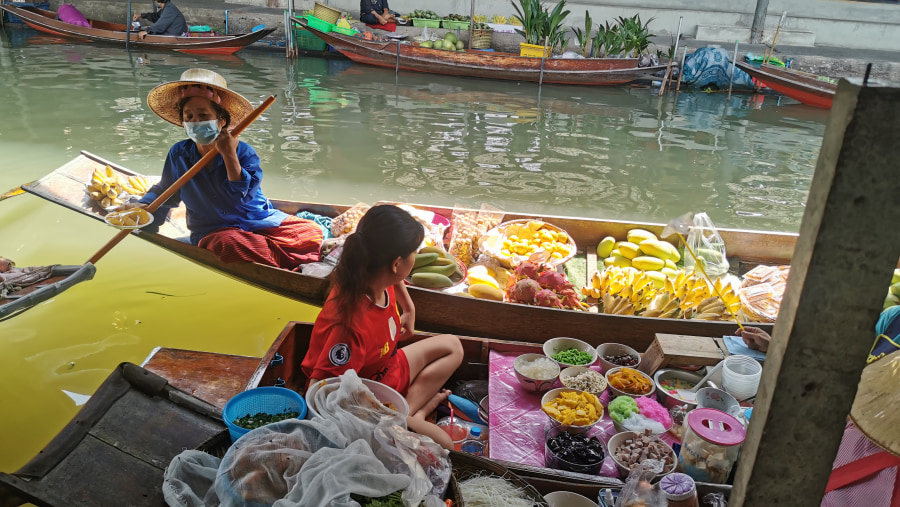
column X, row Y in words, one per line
column 345, row 223
column 638, row 492
column 706, row 243
column 468, row 227
column 435, row 225
column 762, row 291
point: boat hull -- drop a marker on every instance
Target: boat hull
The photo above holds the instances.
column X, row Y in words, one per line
column 438, row 311
column 114, row 33
column 800, row 86
column 483, row 64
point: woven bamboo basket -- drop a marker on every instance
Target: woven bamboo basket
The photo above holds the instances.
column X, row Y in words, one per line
column 482, row 39
column 467, row 465
column 326, row 13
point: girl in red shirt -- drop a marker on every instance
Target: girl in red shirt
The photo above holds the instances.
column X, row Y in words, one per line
column 359, row 326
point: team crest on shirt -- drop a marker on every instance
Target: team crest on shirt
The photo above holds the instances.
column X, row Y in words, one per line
column 339, row 354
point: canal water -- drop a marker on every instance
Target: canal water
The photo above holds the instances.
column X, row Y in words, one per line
column 340, row 133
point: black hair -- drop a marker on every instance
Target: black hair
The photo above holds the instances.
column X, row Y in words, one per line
column 221, row 112
column 384, row 233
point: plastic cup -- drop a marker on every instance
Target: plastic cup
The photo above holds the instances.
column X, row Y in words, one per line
column 456, row 431
column 740, row 376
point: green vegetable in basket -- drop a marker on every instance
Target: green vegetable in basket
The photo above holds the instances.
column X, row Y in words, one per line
column 392, row 500
column 260, row 419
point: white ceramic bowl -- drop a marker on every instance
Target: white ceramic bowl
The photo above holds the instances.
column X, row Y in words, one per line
column 559, row 344
column 620, row 438
column 574, row 428
column 531, row 384
column 568, row 499
column 573, row 371
column 384, row 394
column 710, row 397
column 616, row 392
column 614, row 349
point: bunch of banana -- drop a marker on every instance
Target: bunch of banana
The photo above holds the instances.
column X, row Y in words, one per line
column 711, row 308
column 664, row 306
column 129, row 218
column 136, row 185
column 514, row 21
column 635, row 286
column 617, row 305
column 105, row 187
column 500, row 20
column 480, row 18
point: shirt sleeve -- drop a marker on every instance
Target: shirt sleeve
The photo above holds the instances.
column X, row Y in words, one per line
column 342, row 351
column 367, row 6
column 152, row 17
column 251, row 174
column 168, row 177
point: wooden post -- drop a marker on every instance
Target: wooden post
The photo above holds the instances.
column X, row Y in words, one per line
column 759, row 21
column 842, row 263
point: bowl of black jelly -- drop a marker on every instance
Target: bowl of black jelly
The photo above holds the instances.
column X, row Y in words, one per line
column 575, row 452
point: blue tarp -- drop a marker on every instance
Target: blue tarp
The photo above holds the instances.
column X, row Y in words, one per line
column 711, row 67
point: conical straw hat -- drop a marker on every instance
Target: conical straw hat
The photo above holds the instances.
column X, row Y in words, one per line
column 876, row 409
column 163, row 100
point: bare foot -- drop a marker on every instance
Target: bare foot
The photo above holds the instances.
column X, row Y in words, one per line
column 432, row 404
column 418, row 422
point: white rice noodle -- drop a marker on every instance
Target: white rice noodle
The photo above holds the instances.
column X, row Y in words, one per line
column 483, row 491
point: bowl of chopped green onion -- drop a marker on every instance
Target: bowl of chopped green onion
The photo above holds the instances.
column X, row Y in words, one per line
column 261, row 406
column 570, row 352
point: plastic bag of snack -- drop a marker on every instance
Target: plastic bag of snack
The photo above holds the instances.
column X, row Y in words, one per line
column 345, row 223
column 468, row 226
column 435, row 225
column 706, row 243
column 762, row 291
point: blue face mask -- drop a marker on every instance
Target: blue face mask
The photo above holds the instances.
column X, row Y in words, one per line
column 202, row 132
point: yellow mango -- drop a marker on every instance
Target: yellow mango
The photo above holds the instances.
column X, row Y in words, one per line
column 484, row 291
column 621, row 262
column 648, row 263
column 605, row 247
column 630, row 250
column 639, row 235
column 483, row 279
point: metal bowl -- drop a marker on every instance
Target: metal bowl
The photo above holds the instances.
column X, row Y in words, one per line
column 616, row 392
column 573, row 428
column 666, row 399
column 615, row 349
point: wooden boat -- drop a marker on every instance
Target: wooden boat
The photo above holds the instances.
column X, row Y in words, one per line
column 438, row 311
column 801, row 86
column 142, row 416
column 485, row 64
column 102, row 31
column 60, row 279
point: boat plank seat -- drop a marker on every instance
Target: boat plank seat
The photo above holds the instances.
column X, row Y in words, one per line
column 115, row 450
column 212, row 377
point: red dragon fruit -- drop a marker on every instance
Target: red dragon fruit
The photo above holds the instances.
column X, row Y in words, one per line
column 528, row 269
column 525, row 290
column 548, row 298
column 553, row 280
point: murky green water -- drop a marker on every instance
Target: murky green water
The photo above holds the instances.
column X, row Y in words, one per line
column 339, row 133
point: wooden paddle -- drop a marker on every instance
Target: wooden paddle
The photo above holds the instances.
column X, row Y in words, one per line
column 206, row 159
column 12, row 192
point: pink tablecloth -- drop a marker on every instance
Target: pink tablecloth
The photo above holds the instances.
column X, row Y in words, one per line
column 517, row 423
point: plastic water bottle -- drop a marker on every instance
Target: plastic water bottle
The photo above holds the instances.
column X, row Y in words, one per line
column 473, row 444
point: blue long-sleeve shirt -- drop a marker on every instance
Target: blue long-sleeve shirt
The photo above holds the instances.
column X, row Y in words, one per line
column 211, row 200
column 168, row 21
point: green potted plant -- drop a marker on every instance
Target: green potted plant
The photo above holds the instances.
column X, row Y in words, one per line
column 584, row 38
column 540, row 27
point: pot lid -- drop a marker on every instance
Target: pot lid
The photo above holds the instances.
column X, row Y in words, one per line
column 716, row 426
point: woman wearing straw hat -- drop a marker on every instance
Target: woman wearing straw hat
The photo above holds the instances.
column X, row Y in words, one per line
column 227, row 212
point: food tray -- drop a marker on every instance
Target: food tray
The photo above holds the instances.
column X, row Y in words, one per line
column 453, row 25
column 345, row 31
column 128, row 227
column 492, row 243
column 430, row 23
column 319, row 24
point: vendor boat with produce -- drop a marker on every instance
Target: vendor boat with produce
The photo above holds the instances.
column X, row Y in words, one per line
column 493, row 312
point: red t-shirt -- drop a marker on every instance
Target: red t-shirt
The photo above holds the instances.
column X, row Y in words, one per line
column 370, row 347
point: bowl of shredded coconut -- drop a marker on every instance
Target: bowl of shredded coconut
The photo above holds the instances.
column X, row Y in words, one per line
column 583, row 379
column 536, row 373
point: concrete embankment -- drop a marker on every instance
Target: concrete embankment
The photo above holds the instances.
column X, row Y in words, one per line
column 827, row 60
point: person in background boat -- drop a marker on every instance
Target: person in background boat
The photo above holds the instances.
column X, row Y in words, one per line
column 167, row 20
column 227, row 212
column 862, row 473
column 376, row 12
column 359, row 326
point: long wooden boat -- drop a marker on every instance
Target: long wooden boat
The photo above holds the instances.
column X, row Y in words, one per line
column 485, row 64
column 801, row 86
column 142, row 416
column 438, row 311
column 60, row 279
column 115, row 33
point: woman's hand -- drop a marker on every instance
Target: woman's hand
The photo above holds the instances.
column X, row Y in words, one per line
column 136, row 17
column 226, row 143
column 754, row 337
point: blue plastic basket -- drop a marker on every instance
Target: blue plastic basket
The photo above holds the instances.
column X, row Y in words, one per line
column 10, row 18
column 268, row 400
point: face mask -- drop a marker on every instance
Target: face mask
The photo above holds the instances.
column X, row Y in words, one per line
column 202, row 132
